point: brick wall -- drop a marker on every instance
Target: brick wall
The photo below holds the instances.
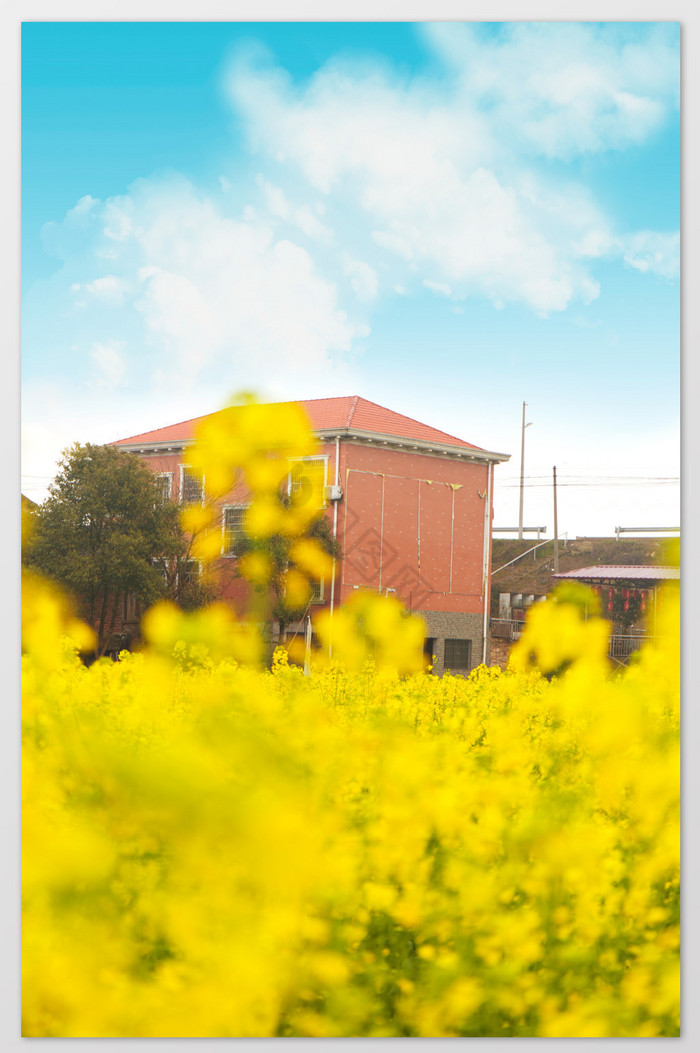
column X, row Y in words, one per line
column 410, row 522
column 442, row 625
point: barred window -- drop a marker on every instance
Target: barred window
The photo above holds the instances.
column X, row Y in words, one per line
column 316, row 591
column 307, row 480
column 164, row 483
column 458, row 654
column 163, row 568
column 188, row 572
column 232, row 528
column 191, row 486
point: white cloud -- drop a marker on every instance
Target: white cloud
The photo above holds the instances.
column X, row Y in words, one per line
column 208, row 288
column 109, row 290
column 447, row 176
column 438, row 287
column 363, row 278
column 110, row 362
column 653, row 253
column 301, row 216
column 118, row 223
column 562, row 89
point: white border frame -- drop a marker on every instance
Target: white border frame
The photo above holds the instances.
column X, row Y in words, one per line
column 318, row 10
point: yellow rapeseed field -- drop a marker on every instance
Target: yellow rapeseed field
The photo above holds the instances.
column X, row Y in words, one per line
column 213, row 848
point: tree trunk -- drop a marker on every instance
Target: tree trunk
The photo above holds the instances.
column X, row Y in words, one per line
column 100, row 631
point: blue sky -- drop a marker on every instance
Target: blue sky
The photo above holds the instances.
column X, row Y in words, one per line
column 449, row 219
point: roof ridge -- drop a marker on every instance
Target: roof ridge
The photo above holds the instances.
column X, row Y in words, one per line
column 334, row 411
column 211, row 413
column 414, row 420
column 322, row 398
column 353, row 407
column 177, row 424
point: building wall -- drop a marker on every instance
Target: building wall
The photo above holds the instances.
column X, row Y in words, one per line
column 413, row 522
column 442, row 625
column 408, row 522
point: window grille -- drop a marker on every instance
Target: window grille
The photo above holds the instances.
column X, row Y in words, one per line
column 191, row 486
column 316, row 591
column 188, row 573
column 233, row 528
column 307, row 481
column 458, row 654
column 164, row 484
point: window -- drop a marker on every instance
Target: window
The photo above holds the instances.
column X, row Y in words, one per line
column 191, row 486
column 307, row 480
column 163, row 568
column 458, row 654
column 232, row 527
column 316, row 591
column 188, row 572
column 131, row 607
column 164, row 482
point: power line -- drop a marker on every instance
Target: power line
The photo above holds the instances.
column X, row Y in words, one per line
column 600, row 485
column 596, row 478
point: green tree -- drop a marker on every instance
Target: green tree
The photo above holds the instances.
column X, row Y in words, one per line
column 105, row 533
column 278, row 549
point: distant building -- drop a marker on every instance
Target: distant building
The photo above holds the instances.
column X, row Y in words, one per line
column 410, row 505
column 624, row 588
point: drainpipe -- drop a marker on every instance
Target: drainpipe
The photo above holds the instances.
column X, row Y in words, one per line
column 335, row 534
column 486, row 560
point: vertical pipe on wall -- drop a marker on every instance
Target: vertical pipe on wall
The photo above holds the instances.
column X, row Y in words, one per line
column 452, row 536
column 487, row 559
column 335, row 535
column 419, row 482
column 381, row 534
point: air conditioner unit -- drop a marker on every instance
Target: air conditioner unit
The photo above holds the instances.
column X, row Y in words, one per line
column 332, row 493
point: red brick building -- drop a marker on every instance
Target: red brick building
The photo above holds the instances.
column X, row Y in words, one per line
column 411, row 507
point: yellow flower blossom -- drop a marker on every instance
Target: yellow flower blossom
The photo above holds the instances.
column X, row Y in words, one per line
column 215, row 849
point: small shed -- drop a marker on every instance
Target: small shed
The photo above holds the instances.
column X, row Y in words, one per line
column 625, row 591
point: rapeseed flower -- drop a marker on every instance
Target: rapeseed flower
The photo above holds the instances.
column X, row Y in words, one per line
column 215, row 849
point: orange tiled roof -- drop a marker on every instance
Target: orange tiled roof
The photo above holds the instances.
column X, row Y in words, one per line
column 348, row 412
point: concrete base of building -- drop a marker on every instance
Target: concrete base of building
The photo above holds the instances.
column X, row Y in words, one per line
column 455, row 641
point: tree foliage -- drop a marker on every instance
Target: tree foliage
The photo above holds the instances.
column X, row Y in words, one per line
column 105, row 533
column 287, row 585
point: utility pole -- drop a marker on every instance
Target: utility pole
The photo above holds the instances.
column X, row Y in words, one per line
column 556, row 529
column 522, row 473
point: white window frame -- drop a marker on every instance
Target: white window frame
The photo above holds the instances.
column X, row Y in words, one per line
column 169, row 477
column 224, row 510
column 155, row 561
column 308, row 460
column 197, row 563
column 318, row 591
column 189, row 468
